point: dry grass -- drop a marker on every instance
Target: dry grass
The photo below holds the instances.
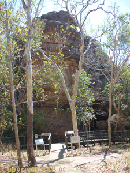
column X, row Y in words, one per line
column 102, row 159
column 8, row 157
column 115, row 160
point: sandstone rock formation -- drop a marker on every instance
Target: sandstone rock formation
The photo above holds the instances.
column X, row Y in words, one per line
column 61, row 39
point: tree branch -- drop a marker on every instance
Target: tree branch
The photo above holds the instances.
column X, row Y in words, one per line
column 78, row 72
column 115, row 105
column 105, row 76
column 99, row 7
column 62, row 76
column 73, row 18
column 118, row 74
column 25, row 7
column 90, row 42
column 37, row 8
column 89, row 13
column 30, row 26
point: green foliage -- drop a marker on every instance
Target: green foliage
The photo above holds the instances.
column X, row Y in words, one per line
column 18, row 38
column 85, row 98
column 45, row 77
column 22, row 123
column 38, row 29
column 4, row 74
column 16, row 32
column 40, row 119
column 117, row 31
column 121, row 91
column 125, row 74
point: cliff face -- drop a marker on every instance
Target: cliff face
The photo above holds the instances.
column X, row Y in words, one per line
column 97, row 64
column 61, row 41
column 62, row 38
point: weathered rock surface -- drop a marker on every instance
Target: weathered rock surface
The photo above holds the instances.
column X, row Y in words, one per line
column 61, row 35
column 102, row 125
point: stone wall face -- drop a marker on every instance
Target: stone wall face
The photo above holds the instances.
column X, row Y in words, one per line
column 55, row 121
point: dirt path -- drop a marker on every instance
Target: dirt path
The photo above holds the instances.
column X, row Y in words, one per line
column 97, row 159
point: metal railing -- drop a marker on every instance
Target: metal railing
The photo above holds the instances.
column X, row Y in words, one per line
column 85, row 138
column 101, row 136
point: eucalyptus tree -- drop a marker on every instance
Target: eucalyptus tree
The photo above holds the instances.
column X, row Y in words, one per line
column 27, row 52
column 117, row 31
column 120, row 99
column 7, row 25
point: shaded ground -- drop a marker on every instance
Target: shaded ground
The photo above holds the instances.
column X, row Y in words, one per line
column 95, row 159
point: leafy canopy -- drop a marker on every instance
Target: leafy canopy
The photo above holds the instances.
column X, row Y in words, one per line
column 85, row 98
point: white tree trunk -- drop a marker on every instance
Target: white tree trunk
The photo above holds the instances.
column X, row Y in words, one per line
column 20, row 164
column 30, row 152
column 74, row 119
column 110, row 104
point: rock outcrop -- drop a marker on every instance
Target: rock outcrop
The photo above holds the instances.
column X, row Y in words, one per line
column 60, row 41
column 61, row 35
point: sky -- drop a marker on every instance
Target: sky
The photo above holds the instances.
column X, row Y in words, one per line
column 124, row 5
column 95, row 18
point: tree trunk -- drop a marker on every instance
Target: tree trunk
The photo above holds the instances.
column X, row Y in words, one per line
column 89, row 126
column 129, row 135
column 30, row 152
column 20, row 164
column 1, row 131
column 74, row 119
column 109, row 119
column 27, row 52
column 72, row 104
column 110, row 104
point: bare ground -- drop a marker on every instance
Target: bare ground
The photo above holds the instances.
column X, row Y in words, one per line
column 95, row 159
